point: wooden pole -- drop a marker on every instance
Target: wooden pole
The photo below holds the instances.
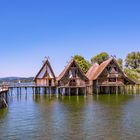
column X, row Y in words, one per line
column 17, row 90
column 85, row 91
column 77, row 91
column 50, row 92
column 33, row 90
column 116, row 90
column 69, row 92
column 20, row 90
column 26, row 89
column 57, row 92
column 97, row 90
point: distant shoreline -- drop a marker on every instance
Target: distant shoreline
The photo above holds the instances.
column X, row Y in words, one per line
column 16, row 80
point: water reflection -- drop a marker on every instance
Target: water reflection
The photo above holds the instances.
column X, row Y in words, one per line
column 88, row 117
column 3, row 113
column 102, row 117
column 111, row 112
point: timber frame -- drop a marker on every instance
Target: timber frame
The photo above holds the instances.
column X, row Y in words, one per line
column 45, row 77
column 72, row 80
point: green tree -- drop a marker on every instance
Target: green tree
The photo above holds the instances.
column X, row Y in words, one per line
column 83, row 63
column 132, row 74
column 99, row 58
column 120, row 62
column 133, row 60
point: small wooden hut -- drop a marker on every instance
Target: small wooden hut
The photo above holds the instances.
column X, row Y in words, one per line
column 108, row 77
column 72, row 80
column 45, row 76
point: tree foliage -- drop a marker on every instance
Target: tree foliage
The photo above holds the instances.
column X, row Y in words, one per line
column 132, row 63
column 133, row 60
column 132, row 74
column 120, row 62
column 99, row 58
column 83, row 63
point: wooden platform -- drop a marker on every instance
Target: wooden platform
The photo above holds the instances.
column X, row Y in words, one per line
column 3, row 89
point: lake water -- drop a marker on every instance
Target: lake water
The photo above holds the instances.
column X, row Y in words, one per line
column 41, row 117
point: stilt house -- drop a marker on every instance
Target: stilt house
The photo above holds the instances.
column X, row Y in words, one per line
column 45, row 76
column 72, row 80
column 107, row 77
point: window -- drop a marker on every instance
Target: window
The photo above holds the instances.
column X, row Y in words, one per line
column 50, row 82
column 73, row 72
column 115, row 68
column 112, row 80
column 72, row 83
column 108, row 69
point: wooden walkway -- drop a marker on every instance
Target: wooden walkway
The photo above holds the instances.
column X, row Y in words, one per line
column 26, row 86
column 59, row 89
column 3, row 89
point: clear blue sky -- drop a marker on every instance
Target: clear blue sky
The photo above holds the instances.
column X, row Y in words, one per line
column 32, row 29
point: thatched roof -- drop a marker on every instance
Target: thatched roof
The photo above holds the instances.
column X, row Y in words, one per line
column 96, row 70
column 66, row 69
column 45, row 69
column 91, row 72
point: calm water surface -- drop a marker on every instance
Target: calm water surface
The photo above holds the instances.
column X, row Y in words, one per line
column 41, row 117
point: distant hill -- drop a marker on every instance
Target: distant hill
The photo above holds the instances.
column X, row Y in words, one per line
column 16, row 80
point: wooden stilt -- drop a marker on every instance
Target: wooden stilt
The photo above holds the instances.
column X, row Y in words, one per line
column 26, row 89
column 57, row 92
column 97, row 90
column 33, row 90
column 85, row 91
column 69, row 92
column 20, row 90
column 132, row 89
column 17, row 91
column 77, row 91
column 116, row 90
column 6, row 97
column 50, row 92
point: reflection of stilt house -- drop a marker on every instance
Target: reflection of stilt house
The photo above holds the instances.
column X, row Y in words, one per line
column 72, row 80
column 107, row 77
column 45, row 76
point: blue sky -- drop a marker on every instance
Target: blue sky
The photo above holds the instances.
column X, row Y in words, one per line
column 33, row 29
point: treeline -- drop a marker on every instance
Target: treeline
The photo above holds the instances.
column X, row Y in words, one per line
column 131, row 64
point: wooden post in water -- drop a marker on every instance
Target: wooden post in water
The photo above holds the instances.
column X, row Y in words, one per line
column 69, row 91
column 6, row 97
column 132, row 89
column 116, row 90
column 135, row 89
column 127, row 89
column 26, row 90
column 50, row 92
column 77, row 91
column 44, row 90
column 11, row 89
column 33, row 90
column 97, row 90
column 17, row 90
column 57, row 92
column 20, row 90
column 123, row 89
column 85, row 91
